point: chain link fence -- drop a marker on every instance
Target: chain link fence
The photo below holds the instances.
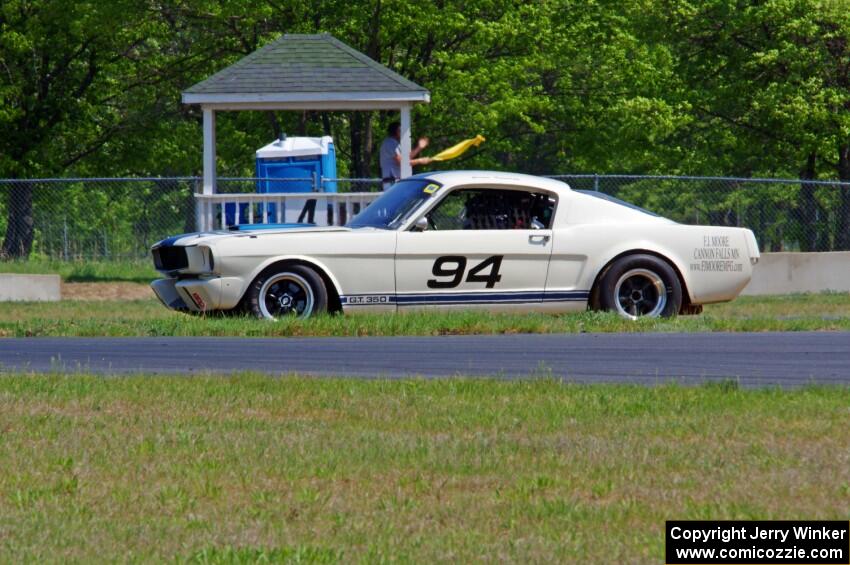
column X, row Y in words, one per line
column 120, row 218
column 785, row 214
column 116, row 218
column 94, row 218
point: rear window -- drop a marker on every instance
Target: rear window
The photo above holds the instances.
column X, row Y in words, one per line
column 609, row 198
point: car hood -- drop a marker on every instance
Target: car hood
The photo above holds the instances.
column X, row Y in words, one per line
column 205, row 238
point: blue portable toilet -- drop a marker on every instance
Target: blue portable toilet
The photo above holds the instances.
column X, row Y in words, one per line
column 296, row 158
column 293, row 158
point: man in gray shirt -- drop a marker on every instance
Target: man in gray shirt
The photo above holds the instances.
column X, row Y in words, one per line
column 391, row 155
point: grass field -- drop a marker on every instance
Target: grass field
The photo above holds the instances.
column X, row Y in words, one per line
column 149, row 318
column 131, row 316
column 138, row 271
column 295, row 469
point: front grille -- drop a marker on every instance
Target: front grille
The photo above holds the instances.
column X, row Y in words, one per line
column 170, row 258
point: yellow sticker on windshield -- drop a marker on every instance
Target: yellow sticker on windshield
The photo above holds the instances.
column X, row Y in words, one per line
column 431, row 188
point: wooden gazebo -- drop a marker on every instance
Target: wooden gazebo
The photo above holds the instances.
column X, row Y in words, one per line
column 303, row 72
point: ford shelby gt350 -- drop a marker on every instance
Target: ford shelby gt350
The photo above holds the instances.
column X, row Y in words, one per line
column 463, row 239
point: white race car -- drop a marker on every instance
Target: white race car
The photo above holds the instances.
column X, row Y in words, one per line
column 463, row 239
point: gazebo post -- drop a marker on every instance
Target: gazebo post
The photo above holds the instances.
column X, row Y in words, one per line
column 203, row 219
column 209, row 150
column 406, row 169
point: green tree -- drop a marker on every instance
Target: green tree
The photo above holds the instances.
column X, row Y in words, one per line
column 767, row 85
column 82, row 83
column 734, row 87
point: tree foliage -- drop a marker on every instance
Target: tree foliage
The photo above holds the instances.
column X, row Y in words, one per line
column 721, row 87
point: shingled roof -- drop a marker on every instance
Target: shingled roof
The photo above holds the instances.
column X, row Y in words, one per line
column 303, row 69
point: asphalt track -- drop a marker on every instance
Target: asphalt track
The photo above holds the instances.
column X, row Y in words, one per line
column 754, row 359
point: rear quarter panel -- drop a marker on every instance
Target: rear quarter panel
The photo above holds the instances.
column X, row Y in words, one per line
column 713, row 261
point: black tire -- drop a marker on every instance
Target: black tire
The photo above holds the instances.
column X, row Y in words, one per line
column 638, row 286
column 691, row 310
column 289, row 290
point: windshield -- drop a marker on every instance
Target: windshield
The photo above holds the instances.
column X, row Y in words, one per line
column 394, row 206
column 610, row 198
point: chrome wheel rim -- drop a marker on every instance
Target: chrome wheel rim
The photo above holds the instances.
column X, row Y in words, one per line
column 286, row 294
column 640, row 293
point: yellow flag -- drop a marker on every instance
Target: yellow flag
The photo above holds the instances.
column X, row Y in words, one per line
column 459, row 149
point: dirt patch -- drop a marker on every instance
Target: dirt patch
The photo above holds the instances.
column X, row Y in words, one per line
column 106, row 291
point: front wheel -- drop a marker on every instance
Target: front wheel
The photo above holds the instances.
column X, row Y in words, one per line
column 639, row 286
column 292, row 290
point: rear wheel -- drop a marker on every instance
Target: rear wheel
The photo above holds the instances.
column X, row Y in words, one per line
column 639, row 286
column 292, row 290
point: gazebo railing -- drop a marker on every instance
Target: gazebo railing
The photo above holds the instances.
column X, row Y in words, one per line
column 219, row 211
column 313, row 200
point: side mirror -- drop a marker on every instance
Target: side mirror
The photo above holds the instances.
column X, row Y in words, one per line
column 421, row 224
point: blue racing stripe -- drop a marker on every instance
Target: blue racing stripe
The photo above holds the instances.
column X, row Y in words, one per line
column 469, row 297
column 440, row 298
column 556, row 296
column 170, row 241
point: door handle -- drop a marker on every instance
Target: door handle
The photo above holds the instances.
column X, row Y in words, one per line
column 538, row 239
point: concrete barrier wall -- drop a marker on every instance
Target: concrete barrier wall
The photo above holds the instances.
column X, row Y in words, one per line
column 786, row 273
column 776, row 273
column 14, row 288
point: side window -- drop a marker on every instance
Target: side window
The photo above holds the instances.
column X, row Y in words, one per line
column 492, row 209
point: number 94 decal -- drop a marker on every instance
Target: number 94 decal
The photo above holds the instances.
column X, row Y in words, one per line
column 454, row 267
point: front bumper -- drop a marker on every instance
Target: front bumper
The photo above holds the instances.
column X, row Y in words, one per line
column 200, row 294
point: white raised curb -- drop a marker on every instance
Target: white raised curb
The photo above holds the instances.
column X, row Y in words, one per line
column 41, row 288
column 787, row 273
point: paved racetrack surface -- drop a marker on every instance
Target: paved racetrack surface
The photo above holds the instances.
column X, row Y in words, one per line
column 755, row 359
